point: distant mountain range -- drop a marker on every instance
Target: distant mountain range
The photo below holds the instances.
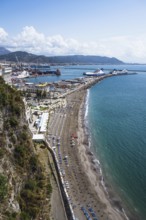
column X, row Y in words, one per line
column 20, row 56
column 4, row 51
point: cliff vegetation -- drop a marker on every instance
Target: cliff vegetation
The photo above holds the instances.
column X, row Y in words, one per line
column 24, row 187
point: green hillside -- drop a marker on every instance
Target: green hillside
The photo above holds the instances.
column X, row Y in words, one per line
column 74, row 59
column 23, row 185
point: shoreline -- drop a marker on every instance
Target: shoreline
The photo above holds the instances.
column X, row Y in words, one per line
column 90, row 162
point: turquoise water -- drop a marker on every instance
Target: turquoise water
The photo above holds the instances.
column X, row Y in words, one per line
column 117, row 122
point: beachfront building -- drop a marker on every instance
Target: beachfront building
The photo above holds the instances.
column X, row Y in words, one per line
column 0, row 71
column 5, row 69
column 43, row 122
column 38, row 137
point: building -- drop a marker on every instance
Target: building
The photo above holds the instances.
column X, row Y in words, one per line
column 38, row 137
column 43, row 122
column 1, row 71
column 5, row 69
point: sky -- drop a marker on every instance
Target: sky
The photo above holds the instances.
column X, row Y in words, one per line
column 113, row 28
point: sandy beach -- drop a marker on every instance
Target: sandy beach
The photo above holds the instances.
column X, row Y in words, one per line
column 82, row 175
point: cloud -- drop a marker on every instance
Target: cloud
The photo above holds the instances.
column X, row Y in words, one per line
column 126, row 48
column 29, row 37
column 3, row 35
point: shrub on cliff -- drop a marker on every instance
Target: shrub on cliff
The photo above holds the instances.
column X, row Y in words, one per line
column 3, row 187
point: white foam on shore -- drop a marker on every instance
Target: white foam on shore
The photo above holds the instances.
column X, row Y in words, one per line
column 125, row 214
column 102, row 182
column 98, row 165
column 96, row 161
column 86, row 124
column 87, row 104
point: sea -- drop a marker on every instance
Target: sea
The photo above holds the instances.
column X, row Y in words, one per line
column 116, row 120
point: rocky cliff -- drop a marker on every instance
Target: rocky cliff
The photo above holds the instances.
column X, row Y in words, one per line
column 23, row 185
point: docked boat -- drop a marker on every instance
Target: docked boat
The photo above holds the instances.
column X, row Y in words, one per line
column 45, row 73
column 98, row 72
column 122, row 72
